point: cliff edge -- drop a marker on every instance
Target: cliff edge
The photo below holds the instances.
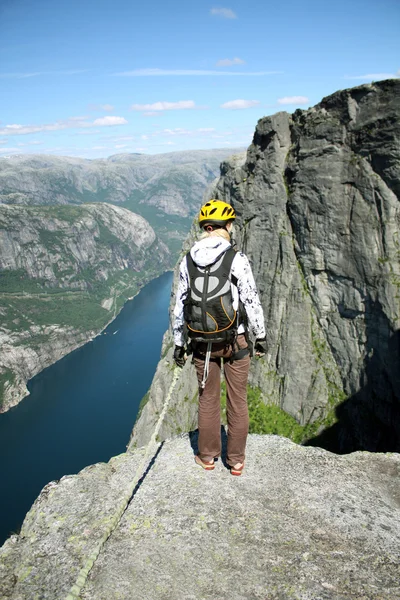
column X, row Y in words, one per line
column 300, row 523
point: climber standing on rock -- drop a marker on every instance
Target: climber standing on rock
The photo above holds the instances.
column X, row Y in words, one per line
column 218, row 312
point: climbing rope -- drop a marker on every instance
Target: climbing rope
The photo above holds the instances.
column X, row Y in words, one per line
column 84, row 572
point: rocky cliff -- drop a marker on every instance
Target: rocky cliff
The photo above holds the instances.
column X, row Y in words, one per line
column 65, row 272
column 166, row 189
column 317, row 197
column 300, row 523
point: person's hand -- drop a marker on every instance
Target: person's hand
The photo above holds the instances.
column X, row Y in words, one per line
column 179, row 356
column 260, row 347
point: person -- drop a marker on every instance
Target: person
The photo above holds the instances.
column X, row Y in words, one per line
column 216, row 220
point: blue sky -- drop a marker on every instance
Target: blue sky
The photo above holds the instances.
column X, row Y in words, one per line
column 96, row 78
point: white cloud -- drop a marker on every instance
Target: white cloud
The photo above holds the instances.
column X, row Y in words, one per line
column 160, row 106
column 78, row 118
column 182, row 72
column 205, row 129
column 373, row 76
column 109, row 121
column 105, row 107
column 293, row 100
column 38, row 73
column 144, row 137
column 229, row 62
column 237, row 104
column 10, row 150
column 226, row 13
column 99, row 147
column 71, row 123
column 119, row 146
column 3, row 141
column 26, row 129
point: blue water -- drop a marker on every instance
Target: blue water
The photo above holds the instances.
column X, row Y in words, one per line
column 81, row 410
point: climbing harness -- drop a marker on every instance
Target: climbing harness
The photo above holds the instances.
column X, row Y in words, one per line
column 84, row 572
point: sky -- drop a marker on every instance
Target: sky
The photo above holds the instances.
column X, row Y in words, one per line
column 97, row 78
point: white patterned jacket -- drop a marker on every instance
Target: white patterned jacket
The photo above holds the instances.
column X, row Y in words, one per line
column 204, row 253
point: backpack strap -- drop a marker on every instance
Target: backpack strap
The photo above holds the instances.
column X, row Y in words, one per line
column 227, row 262
column 192, row 269
column 225, row 268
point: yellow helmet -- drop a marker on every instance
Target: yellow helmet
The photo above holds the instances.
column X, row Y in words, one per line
column 216, row 212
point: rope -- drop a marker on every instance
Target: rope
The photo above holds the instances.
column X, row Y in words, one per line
column 84, row 572
column 206, row 366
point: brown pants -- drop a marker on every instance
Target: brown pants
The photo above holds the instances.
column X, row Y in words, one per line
column 236, row 374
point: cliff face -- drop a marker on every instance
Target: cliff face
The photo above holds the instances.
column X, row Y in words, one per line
column 317, row 198
column 166, row 189
column 65, row 272
column 300, row 523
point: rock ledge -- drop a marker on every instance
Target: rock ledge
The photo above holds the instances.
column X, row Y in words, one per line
column 301, row 523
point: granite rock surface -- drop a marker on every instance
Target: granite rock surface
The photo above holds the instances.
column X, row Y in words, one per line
column 300, row 523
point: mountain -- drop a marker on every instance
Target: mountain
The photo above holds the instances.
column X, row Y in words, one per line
column 78, row 238
column 166, row 189
column 300, row 523
column 318, row 203
column 65, row 272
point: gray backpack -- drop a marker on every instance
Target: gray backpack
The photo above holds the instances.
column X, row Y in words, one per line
column 208, row 307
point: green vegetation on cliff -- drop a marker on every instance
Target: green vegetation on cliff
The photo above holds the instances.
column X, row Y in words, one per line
column 271, row 419
column 65, row 273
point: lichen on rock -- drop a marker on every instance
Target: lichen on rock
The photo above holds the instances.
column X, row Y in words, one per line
column 300, row 523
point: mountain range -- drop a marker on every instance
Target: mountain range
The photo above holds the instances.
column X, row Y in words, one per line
column 80, row 237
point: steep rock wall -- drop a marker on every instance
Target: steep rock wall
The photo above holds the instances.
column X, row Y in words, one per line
column 317, row 199
column 65, row 272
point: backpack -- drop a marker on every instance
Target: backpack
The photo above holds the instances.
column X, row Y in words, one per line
column 208, row 308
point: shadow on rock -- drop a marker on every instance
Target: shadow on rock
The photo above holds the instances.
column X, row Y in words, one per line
column 370, row 419
column 194, row 436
